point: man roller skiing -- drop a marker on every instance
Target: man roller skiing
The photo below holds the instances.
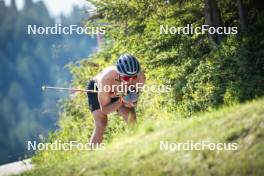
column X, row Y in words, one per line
column 109, row 83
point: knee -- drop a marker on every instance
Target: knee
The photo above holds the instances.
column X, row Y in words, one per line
column 100, row 120
column 100, row 126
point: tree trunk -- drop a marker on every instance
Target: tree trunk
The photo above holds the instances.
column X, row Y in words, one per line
column 241, row 14
column 213, row 18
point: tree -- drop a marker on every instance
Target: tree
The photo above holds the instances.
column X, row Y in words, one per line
column 242, row 18
column 213, row 18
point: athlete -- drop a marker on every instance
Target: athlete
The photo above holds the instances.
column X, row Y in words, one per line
column 117, row 90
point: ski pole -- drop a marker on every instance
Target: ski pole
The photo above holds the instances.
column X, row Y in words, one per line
column 44, row 88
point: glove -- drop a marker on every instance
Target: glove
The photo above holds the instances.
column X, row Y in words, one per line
column 131, row 97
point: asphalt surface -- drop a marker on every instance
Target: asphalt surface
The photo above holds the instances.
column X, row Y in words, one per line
column 15, row 167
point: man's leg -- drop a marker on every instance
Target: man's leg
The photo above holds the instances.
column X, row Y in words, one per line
column 100, row 122
column 128, row 114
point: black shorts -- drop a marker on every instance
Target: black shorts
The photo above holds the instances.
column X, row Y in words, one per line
column 93, row 97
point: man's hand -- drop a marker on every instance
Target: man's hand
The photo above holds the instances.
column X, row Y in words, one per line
column 126, row 103
column 130, row 99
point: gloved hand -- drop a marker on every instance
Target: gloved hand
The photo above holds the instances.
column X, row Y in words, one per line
column 131, row 97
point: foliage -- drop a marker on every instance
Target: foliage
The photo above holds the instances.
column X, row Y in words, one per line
column 140, row 154
column 26, row 63
column 203, row 76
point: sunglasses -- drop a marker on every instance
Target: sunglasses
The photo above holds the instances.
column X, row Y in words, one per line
column 127, row 78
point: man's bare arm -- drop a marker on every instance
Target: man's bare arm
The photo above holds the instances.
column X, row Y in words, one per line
column 104, row 98
column 105, row 103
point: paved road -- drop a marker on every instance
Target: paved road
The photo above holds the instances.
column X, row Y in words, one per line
column 15, row 167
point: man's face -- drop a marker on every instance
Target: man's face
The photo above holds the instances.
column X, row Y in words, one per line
column 127, row 79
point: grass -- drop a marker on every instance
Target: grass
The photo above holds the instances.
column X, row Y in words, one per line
column 137, row 152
